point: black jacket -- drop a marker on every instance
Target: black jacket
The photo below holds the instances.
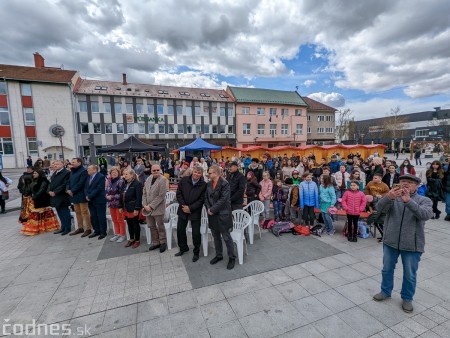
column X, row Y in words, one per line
column 131, row 198
column 218, row 201
column 58, row 186
column 191, row 195
column 21, row 183
column 238, row 183
column 253, row 189
column 387, row 179
column 446, row 181
column 256, row 171
column 40, row 197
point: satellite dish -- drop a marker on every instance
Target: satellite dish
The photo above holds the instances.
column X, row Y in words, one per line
column 57, row 130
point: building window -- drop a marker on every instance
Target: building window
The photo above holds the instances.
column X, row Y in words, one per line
column 129, row 107
column 206, row 129
column 309, row 130
column 329, row 130
column 25, row 89
column 160, row 109
column 188, row 129
column 84, row 128
column 422, row 132
column 246, row 129
column 309, row 117
column 179, row 110
column 272, row 112
column 4, row 116
column 205, row 109
column 161, row 129
column 107, row 107
column 108, row 128
column 2, row 88
column 230, row 130
column 119, row 127
column 260, row 111
column 298, row 112
column 151, row 108
column 151, row 128
column 139, row 108
column 170, row 129
column 284, row 112
column 230, row 112
column 221, row 129
column 320, row 118
column 94, row 107
column 261, row 129
column 320, row 130
column 245, row 110
column 97, row 128
column 180, row 129
column 118, row 108
column 329, row 118
column 188, row 110
column 170, row 109
column 214, row 109
column 6, row 146
column 83, row 106
column 284, row 129
column 130, row 128
column 299, row 129
column 198, row 129
column 273, row 129
column 214, row 129
column 141, row 127
column 197, row 111
column 32, row 145
column 222, row 111
column 29, row 116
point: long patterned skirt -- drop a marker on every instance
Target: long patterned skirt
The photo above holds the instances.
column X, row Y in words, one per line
column 40, row 220
column 25, row 209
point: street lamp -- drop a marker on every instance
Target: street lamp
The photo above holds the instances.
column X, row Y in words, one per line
column 362, row 138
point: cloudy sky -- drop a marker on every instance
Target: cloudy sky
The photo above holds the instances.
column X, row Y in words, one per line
column 369, row 56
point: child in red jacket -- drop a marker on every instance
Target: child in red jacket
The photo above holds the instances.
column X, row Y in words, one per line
column 354, row 203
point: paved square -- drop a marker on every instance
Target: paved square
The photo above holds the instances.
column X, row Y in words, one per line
column 289, row 287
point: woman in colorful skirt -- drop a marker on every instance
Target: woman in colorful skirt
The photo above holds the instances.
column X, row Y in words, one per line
column 27, row 192
column 41, row 217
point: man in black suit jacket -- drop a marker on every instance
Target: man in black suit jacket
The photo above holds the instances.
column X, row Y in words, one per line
column 96, row 197
column 238, row 182
column 59, row 199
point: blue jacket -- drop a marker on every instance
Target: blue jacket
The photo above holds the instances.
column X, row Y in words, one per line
column 334, row 166
column 309, row 194
column 327, row 197
column 76, row 183
column 247, row 162
column 95, row 190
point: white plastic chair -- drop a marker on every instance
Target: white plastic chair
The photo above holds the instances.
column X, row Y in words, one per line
column 170, row 196
column 241, row 220
column 204, row 230
column 255, row 208
column 171, row 224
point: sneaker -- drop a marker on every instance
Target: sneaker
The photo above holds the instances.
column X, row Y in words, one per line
column 380, row 297
column 114, row 238
column 120, row 239
column 407, row 306
column 331, row 233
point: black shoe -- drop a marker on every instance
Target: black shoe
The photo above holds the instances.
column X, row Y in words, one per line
column 433, row 217
column 162, row 247
column 195, row 258
column 181, row 252
column 215, row 260
column 349, row 238
column 355, row 239
column 438, row 214
column 57, row 232
column 447, row 218
column 64, row 233
column 101, row 236
column 230, row 264
column 153, row 247
column 94, row 234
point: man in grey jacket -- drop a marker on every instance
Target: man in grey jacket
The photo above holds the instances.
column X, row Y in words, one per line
column 404, row 235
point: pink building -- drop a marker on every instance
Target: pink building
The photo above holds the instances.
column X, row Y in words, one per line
column 269, row 118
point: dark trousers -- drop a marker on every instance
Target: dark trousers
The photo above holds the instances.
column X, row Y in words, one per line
column 217, row 235
column 98, row 218
column 352, row 225
column 2, row 204
column 182, row 238
column 64, row 217
column 134, row 229
column 435, row 204
column 308, row 215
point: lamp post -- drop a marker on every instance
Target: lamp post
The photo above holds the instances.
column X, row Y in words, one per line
column 362, row 138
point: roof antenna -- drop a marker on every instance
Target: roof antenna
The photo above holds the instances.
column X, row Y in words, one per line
column 296, row 88
column 62, row 66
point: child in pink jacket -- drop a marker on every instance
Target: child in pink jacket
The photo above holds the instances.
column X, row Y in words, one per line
column 354, row 203
column 266, row 193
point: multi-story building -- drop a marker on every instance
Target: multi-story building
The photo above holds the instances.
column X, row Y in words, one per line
column 321, row 122
column 109, row 112
column 269, row 117
column 32, row 100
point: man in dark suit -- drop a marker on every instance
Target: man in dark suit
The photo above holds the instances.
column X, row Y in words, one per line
column 59, row 199
column 238, row 183
column 96, row 197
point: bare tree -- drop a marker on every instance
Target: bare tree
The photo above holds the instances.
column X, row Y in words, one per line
column 344, row 117
column 394, row 124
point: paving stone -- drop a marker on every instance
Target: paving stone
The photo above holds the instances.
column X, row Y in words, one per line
column 259, row 325
column 354, row 293
column 313, row 285
column 152, row 309
column 311, row 309
column 277, row 276
column 124, row 332
column 229, row 329
column 334, row 301
column 217, row 313
column 120, row 317
column 93, row 323
column 188, row 321
column 304, row 331
column 334, row 327
column 442, row 329
column 208, row 294
column 292, row 291
column 181, row 301
column 58, row 312
column 332, row 278
column 361, row 321
column 296, row 271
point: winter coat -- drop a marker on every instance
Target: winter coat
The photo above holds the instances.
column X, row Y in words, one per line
column 334, row 166
column 253, row 188
column 446, row 181
column 58, row 186
column 435, row 189
column 218, row 202
column 287, row 171
column 375, row 189
column 411, row 170
column 76, row 184
column 155, row 194
column 131, row 196
column 21, row 184
column 338, row 177
column 113, row 189
column 293, row 196
column 387, row 179
column 238, row 183
column 277, row 193
column 354, row 202
column 257, row 171
column 404, row 225
column 95, row 189
column 309, row 194
column 40, row 196
column 192, row 195
column 266, row 190
column 327, row 197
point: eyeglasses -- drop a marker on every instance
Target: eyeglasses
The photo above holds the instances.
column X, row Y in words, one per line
column 155, row 169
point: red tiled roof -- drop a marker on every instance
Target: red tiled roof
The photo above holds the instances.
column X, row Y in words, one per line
column 316, row 105
column 34, row 74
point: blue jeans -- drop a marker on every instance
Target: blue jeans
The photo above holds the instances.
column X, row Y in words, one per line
column 277, row 209
column 328, row 221
column 65, row 218
column 447, row 203
column 410, row 261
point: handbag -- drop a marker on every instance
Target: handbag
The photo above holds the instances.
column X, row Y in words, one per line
column 5, row 195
